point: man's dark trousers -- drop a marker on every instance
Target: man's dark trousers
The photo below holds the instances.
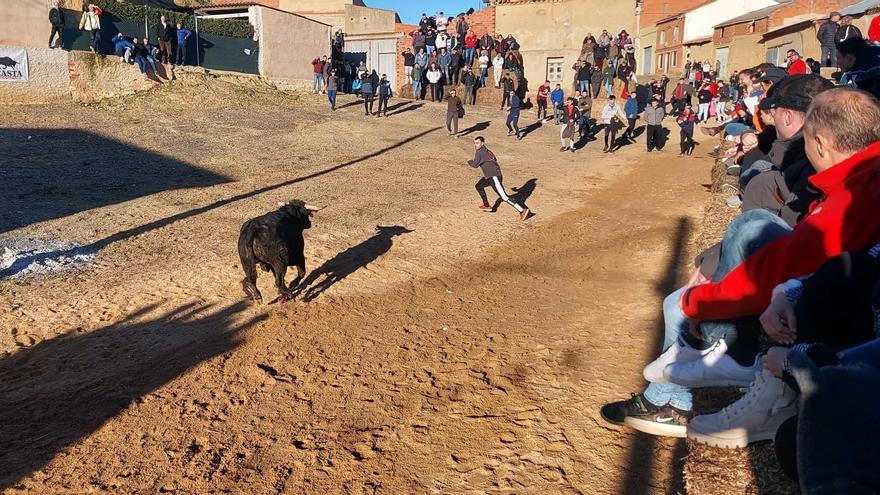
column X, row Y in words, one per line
column 655, row 140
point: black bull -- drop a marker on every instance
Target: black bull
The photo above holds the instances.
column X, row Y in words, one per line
column 274, row 241
column 7, row 62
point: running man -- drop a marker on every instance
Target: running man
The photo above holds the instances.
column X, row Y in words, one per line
column 486, row 161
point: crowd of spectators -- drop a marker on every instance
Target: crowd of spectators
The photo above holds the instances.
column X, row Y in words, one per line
column 446, row 51
column 787, row 305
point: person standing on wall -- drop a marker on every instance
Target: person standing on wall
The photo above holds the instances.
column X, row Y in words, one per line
column 165, row 33
column 827, row 36
column 409, row 61
column 56, row 19
column 183, row 36
column 91, row 22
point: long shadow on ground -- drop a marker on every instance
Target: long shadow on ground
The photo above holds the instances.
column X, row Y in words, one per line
column 642, row 452
column 349, row 261
column 54, row 173
column 96, row 246
column 59, row 391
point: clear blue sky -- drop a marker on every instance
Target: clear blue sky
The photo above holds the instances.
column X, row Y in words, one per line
column 410, row 11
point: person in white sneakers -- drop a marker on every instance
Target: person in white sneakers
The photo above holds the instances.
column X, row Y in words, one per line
column 760, row 251
column 828, row 310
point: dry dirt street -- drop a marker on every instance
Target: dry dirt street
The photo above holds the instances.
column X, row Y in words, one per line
column 436, row 348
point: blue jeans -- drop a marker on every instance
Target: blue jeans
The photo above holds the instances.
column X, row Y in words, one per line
column 142, row 63
column 584, row 86
column 430, row 49
column 829, row 52
column 747, row 175
column 609, row 87
column 484, row 73
column 331, row 95
column 469, row 56
column 417, row 89
column 181, row 54
column 746, row 234
column 735, row 129
column 319, row 81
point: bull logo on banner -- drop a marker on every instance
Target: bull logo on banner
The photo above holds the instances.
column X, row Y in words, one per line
column 13, row 65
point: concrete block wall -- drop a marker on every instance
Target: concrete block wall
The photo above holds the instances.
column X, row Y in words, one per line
column 49, row 78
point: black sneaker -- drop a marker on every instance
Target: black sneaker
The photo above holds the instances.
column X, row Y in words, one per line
column 639, row 414
column 617, row 412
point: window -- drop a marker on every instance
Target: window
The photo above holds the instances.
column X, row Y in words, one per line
column 675, row 34
column 554, row 69
column 662, row 37
column 674, row 59
column 660, row 62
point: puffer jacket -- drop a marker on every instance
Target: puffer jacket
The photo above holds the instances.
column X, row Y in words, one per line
column 827, row 34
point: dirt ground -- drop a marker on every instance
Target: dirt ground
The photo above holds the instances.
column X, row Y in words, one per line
column 435, row 348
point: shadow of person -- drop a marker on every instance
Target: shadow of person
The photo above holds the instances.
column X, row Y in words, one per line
column 478, row 127
column 61, row 390
column 349, row 261
column 520, row 195
column 529, row 129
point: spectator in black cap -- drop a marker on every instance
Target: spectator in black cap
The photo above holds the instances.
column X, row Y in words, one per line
column 780, row 185
column 827, row 36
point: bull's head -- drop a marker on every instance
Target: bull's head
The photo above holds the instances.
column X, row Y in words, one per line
column 305, row 210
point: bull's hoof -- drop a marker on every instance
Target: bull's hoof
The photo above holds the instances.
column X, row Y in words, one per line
column 283, row 299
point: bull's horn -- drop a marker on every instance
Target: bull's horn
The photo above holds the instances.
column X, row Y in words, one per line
column 313, row 208
column 280, row 203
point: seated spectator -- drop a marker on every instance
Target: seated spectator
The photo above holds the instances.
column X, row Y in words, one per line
column 860, row 64
column 123, row 48
column 781, row 185
column 841, row 135
column 142, row 56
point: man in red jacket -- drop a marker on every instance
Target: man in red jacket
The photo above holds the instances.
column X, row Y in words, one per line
column 842, row 135
column 796, row 65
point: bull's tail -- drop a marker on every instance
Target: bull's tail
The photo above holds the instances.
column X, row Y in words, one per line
column 248, row 259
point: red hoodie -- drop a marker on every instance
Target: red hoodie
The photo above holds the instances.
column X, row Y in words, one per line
column 470, row 41
column 797, row 67
column 874, row 30
column 845, row 218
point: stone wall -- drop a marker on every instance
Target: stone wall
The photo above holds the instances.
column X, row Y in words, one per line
column 49, row 78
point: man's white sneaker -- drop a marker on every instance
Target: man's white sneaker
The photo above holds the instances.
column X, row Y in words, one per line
column 753, row 418
column 715, row 369
column 679, row 352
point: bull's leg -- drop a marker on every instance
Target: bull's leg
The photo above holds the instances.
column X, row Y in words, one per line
column 300, row 273
column 264, row 266
column 249, row 282
column 280, row 270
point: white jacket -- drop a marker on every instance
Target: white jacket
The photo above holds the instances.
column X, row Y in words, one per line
column 433, row 76
column 498, row 63
column 609, row 111
column 90, row 21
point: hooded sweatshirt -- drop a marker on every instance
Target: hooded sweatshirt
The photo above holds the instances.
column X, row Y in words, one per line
column 486, row 161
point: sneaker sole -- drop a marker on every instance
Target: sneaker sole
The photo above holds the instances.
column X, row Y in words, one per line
column 721, row 382
column 740, row 440
column 654, row 428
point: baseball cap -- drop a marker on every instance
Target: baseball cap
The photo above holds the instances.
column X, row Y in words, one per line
column 773, row 75
column 795, row 92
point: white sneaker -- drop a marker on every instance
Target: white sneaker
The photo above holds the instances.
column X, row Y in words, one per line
column 715, row 369
column 679, row 352
column 755, row 417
